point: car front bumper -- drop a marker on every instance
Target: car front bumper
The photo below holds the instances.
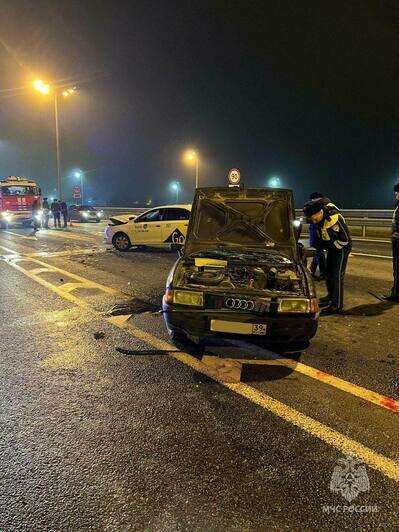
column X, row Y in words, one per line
column 281, row 328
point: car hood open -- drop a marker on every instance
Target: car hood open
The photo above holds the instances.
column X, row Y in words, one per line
column 255, row 218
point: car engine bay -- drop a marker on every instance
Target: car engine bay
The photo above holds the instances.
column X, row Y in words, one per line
column 272, row 278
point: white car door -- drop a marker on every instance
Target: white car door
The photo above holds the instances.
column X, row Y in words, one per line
column 146, row 229
column 174, row 225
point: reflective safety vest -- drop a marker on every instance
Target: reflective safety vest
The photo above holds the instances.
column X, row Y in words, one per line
column 333, row 231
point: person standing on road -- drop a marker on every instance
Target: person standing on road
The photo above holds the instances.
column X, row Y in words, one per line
column 319, row 260
column 56, row 210
column 394, row 295
column 331, row 234
column 46, row 212
column 64, row 212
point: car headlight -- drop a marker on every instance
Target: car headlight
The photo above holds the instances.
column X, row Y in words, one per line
column 85, row 214
column 298, row 305
column 99, row 214
column 7, row 216
column 185, row 297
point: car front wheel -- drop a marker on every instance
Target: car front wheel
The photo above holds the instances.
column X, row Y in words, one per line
column 121, row 242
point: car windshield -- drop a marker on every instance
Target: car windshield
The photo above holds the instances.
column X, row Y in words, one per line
column 86, row 208
column 19, row 191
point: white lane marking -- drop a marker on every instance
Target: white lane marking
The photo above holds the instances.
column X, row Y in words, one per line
column 10, row 250
column 371, row 255
column 371, row 240
column 20, row 236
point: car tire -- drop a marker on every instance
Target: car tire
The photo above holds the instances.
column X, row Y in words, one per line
column 121, row 241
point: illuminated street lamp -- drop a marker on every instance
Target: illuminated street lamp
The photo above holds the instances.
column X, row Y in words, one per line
column 191, row 156
column 45, row 89
column 274, row 182
column 175, row 187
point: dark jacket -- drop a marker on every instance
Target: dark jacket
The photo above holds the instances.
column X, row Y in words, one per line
column 395, row 222
column 332, row 233
column 64, row 207
column 55, row 207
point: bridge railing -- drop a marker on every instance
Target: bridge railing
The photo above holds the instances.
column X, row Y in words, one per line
column 365, row 223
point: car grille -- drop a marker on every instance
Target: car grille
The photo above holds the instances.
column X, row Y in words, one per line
column 236, row 303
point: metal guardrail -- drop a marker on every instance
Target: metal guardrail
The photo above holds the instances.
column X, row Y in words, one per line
column 356, row 218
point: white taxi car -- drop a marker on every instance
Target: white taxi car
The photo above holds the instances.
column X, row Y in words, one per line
column 160, row 226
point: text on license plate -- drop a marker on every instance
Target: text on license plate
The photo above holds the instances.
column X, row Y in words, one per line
column 235, row 327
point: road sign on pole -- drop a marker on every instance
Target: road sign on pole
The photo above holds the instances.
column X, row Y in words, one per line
column 77, row 192
column 234, row 177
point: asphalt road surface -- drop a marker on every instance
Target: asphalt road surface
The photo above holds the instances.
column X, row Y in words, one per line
column 106, row 425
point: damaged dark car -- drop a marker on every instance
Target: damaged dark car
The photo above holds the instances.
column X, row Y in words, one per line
column 242, row 270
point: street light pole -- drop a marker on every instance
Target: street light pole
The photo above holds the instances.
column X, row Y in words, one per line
column 192, row 157
column 45, row 89
column 57, row 142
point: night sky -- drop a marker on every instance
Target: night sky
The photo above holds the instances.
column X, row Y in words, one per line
column 307, row 91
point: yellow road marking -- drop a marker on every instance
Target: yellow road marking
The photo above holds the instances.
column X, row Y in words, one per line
column 77, row 301
column 336, row 382
column 344, row 444
column 36, row 271
column 84, row 282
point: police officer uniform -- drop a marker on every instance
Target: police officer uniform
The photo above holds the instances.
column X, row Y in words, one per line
column 319, row 260
column 394, row 296
column 332, row 234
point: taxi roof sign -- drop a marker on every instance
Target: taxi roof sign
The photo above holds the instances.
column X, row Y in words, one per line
column 234, row 177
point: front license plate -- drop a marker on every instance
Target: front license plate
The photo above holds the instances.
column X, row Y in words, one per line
column 236, row 327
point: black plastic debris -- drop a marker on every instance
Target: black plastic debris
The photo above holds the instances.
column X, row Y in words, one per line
column 124, row 351
column 99, row 335
column 136, row 306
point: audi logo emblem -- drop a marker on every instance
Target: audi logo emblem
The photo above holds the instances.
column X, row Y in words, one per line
column 239, row 304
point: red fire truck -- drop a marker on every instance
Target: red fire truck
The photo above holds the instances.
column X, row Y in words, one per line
column 17, row 195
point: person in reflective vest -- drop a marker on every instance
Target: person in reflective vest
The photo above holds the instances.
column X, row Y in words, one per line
column 394, row 295
column 319, row 260
column 331, row 234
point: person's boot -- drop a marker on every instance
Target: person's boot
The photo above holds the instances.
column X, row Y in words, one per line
column 390, row 298
column 330, row 309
